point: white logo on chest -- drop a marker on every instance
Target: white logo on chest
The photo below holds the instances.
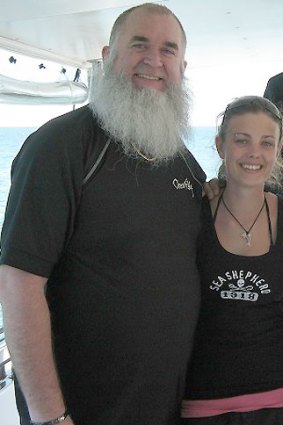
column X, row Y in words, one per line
column 240, row 285
column 186, row 184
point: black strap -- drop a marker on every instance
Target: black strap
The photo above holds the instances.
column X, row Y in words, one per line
column 269, row 222
column 217, row 207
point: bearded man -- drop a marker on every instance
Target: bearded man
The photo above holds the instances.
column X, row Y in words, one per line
column 98, row 281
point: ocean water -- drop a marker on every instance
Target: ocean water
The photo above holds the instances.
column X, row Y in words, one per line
column 200, row 143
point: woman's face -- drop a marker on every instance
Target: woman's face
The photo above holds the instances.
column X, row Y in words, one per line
column 250, row 148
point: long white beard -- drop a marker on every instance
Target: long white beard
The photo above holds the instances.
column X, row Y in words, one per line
column 141, row 120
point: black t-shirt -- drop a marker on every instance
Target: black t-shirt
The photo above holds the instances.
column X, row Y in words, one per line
column 239, row 339
column 119, row 254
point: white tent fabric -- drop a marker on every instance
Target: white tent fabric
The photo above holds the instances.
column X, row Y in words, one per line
column 13, row 91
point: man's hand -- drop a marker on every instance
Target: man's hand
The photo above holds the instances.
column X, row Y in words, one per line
column 211, row 188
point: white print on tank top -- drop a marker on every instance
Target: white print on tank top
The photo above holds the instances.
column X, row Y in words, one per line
column 240, row 285
column 186, row 184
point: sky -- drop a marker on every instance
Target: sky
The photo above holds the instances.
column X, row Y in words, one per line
column 212, row 88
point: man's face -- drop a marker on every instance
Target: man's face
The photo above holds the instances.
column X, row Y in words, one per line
column 150, row 50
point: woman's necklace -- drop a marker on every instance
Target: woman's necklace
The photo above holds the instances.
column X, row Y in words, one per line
column 247, row 232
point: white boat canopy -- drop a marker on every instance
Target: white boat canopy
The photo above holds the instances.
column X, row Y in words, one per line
column 13, row 91
column 73, row 32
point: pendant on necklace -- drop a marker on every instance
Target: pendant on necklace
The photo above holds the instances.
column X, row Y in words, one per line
column 248, row 237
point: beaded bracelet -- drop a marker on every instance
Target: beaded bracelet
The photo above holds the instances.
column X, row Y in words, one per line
column 53, row 421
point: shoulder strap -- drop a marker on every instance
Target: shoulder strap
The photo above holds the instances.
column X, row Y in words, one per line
column 96, row 157
column 96, row 162
column 217, row 208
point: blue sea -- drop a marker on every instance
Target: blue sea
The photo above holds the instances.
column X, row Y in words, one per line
column 200, row 142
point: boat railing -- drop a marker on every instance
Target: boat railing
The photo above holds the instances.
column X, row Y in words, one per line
column 8, row 409
column 6, row 375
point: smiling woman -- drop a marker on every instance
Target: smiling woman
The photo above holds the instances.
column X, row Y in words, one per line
column 240, row 265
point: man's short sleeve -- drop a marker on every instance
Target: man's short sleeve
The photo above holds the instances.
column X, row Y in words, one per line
column 45, row 191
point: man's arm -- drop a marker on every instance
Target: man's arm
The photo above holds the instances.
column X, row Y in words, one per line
column 28, row 336
column 211, row 189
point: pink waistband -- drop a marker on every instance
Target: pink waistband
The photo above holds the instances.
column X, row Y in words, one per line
column 241, row 403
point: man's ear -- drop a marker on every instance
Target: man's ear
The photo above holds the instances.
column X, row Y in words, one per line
column 183, row 67
column 219, row 146
column 105, row 52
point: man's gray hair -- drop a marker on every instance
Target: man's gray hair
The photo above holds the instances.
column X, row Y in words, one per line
column 149, row 7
